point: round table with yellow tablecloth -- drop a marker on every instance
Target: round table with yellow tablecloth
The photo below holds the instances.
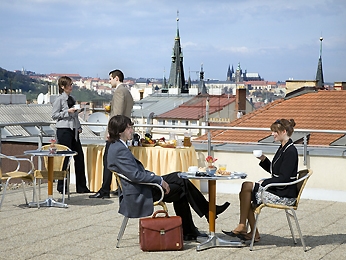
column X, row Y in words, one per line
column 159, row 160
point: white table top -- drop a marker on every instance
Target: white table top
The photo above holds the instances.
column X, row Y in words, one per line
column 47, row 153
column 232, row 176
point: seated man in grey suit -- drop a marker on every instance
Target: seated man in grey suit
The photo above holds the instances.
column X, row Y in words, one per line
column 137, row 200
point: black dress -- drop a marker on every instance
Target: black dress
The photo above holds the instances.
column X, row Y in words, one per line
column 283, row 168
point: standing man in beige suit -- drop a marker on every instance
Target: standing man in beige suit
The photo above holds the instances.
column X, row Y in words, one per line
column 122, row 104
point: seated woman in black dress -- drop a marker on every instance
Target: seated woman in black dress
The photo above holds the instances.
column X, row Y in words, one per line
column 283, row 168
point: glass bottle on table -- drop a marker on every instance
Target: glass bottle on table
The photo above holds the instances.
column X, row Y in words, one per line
column 187, row 139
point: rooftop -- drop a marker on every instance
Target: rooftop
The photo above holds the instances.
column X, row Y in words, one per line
column 31, row 113
column 195, row 108
column 88, row 228
column 158, row 103
column 312, row 110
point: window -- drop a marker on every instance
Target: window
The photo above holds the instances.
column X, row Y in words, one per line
column 194, row 123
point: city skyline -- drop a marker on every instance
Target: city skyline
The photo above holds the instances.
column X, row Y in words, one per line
column 279, row 40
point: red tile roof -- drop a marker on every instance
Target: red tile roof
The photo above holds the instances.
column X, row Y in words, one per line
column 64, row 74
column 195, row 108
column 260, row 83
column 318, row 110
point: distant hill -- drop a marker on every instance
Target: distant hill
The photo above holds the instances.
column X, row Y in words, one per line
column 32, row 87
column 12, row 80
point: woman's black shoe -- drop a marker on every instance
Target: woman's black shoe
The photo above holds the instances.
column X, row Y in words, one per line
column 230, row 233
column 84, row 191
column 59, row 189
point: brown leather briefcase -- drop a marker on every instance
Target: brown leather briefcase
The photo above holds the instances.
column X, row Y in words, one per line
column 161, row 233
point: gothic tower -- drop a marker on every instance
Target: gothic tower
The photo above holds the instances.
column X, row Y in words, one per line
column 202, row 89
column 319, row 74
column 229, row 74
column 176, row 82
column 238, row 74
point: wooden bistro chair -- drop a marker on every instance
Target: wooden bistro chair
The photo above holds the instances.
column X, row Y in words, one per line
column 17, row 174
column 156, row 203
column 303, row 177
column 58, row 173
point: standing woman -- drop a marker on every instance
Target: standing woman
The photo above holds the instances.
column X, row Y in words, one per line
column 68, row 129
column 283, row 168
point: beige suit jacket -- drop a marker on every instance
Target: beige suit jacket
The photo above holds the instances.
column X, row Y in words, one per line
column 121, row 104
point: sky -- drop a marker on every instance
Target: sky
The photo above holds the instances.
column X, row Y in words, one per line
column 278, row 39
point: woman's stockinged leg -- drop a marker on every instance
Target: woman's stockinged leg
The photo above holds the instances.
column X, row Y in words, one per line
column 245, row 207
column 251, row 220
column 246, row 212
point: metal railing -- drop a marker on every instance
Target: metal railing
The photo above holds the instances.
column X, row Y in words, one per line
column 209, row 140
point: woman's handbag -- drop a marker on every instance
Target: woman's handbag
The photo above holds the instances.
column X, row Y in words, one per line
column 161, row 233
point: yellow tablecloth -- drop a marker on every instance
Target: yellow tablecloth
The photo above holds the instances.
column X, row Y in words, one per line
column 94, row 159
column 156, row 159
column 165, row 160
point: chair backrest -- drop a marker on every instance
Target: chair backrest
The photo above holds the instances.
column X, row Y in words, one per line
column 302, row 178
column 14, row 164
column 300, row 185
column 58, row 160
column 118, row 181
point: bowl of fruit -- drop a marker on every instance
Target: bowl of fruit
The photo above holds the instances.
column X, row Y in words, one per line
column 147, row 141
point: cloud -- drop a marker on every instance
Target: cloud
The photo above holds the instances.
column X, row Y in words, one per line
column 241, row 49
column 91, row 36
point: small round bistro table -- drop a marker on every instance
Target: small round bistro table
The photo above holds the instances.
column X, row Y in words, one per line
column 49, row 202
column 213, row 240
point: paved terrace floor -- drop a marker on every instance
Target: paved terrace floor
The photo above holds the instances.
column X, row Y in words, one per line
column 88, row 228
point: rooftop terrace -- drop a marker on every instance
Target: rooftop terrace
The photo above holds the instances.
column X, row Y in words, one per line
column 88, row 228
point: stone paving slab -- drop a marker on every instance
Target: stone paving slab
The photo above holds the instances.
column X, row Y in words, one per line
column 88, row 229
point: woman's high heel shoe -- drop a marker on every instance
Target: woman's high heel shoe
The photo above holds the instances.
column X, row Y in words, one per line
column 233, row 233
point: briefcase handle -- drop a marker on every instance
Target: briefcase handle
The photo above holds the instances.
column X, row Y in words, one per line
column 160, row 211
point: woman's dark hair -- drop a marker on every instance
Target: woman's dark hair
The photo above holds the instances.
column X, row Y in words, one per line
column 64, row 81
column 116, row 125
column 283, row 124
column 118, row 73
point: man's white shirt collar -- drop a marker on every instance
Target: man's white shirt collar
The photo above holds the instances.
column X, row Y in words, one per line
column 119, row 85
column 123, row 143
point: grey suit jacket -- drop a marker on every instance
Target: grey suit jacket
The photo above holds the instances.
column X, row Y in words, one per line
column 136, row 200
column 62, row 116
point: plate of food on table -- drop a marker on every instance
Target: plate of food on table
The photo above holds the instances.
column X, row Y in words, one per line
column 222, row 172
column 166, row 144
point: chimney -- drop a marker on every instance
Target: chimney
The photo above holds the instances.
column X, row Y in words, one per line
column 240, row 99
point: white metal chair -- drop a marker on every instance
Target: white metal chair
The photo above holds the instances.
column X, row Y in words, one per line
column 303, row 177
column 126, row 219
column 17, row 174
column 58, row 173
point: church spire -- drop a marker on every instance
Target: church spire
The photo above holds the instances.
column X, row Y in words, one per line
column 229, row 73
column 201, row 85
column 177, row 37
column 319, row 74
column 176, row 83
